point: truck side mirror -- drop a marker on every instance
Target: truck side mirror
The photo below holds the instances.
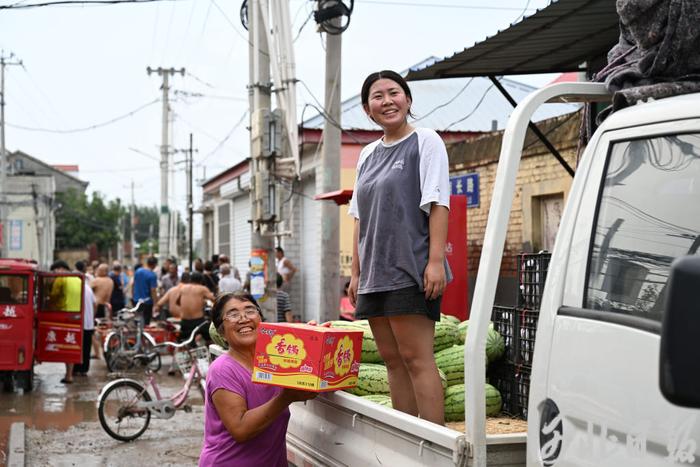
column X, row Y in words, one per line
column 679, row 378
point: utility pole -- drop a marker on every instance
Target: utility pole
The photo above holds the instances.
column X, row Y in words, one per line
column 259, row 90
column 190, row 207
column 164, row 221
column 5, row 60
column 133, row 226
column 329, row 178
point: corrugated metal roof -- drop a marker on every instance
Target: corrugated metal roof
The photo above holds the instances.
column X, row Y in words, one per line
column 443, row 105
column 555, row 39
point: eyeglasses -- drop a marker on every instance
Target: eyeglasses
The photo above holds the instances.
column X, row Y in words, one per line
column 235, row 316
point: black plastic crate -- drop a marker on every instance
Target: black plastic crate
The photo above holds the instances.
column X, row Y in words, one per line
column 521, row 390
column 532, row 274
column 526, row 325
column 504, row 321
column 501, row 375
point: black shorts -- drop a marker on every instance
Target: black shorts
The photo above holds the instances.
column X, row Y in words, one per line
column 101, row 311
column 188, row 325
column 408, row 301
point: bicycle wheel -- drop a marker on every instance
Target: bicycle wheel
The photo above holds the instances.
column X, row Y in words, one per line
column 155, row 365
column 118, row 412
column 112, row 348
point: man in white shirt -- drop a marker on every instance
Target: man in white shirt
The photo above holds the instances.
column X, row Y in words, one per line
column 228, row 283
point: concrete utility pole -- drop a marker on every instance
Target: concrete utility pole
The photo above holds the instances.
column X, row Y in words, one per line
column 329, row 176
column 164, row 221
column 132, row 210
column 259, row 89
column 190, row 206
column 5, row 60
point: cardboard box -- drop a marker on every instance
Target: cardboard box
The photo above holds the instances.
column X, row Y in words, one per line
column 312, row 358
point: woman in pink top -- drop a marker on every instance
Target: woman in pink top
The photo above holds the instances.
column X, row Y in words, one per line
column 245, row 423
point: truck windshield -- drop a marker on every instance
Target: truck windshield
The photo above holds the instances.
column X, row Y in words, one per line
column 13, row 289
column 648, row 215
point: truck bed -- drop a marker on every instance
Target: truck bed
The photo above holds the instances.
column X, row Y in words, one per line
column 339, row 429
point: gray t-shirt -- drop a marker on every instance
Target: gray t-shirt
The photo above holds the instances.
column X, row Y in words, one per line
column 395, row 188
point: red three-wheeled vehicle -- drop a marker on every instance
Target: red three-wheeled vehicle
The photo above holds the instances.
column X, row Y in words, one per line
column 41, row 320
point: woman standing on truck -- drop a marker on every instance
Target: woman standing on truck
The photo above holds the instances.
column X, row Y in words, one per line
column 400, row 205
column 245, row 424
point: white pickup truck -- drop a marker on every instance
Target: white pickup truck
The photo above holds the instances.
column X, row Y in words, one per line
column 615, row 336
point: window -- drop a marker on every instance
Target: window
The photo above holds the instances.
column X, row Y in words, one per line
column 224, row 229
column 648, row 215
column 13, row 289
column 61, row 293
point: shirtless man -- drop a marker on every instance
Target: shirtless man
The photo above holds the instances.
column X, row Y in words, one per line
column 102, row 286
column 171, row 298
column 190, row 300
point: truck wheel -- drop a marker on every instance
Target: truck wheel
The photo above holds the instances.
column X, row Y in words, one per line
column 25, row 380
column 119, row 413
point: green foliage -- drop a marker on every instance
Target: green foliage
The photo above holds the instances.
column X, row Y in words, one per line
column 81, row 221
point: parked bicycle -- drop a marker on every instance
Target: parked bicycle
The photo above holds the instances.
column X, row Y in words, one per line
column 125, row 406
column 128, row 339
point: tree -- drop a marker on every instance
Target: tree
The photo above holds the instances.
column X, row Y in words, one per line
column 81, row 221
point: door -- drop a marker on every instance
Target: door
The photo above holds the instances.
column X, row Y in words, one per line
column 60, row 318
column 16, row 321
column 639, row 211
column 241, row 235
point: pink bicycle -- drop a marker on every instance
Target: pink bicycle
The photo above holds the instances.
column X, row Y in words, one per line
column 125, row 406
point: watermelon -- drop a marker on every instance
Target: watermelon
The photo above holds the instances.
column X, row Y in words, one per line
column 216, row 337
column 381, row 399
column 450, row 318
column 451, row 362
column 495, row 344
column 370, row 354
column 443, row 379
column 454, row 402
column 372, row 379
column 446, row 335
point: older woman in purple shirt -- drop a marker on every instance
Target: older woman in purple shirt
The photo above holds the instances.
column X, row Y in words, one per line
column 245, row 423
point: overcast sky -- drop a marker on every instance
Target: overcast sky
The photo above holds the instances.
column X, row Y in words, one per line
column 86, row 65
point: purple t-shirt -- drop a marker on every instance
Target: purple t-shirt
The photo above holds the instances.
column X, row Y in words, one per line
column 220, row 449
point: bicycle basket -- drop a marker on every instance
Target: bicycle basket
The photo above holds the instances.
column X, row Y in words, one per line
column 186, row 358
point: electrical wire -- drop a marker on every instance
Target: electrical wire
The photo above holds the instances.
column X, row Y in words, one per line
column 476, row 107
column 464, row 88
column 439, row 5
column 22, row 6
column 87, row 128
column 329, row 10
column 223, row 141
column 233, row 26
column 302, row 26
column 522, row 13
column 200, row 80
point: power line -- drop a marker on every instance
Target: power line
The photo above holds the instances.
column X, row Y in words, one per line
column 522, row 13
column 478, row 104
column 441, row 5
column 87, row 128
column 233, row 26
column 22, row 6
column 223, row 141
column 446, row 103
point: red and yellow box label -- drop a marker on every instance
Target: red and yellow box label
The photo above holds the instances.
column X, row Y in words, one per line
column 312, row 358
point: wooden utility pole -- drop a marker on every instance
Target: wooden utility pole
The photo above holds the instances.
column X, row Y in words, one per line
column 164, row 221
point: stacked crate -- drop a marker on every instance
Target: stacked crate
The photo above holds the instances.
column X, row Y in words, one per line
column 518, row 326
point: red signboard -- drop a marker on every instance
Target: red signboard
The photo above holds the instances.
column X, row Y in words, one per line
column 455, row 300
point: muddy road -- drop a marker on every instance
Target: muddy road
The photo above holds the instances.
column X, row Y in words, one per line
column 62, row 428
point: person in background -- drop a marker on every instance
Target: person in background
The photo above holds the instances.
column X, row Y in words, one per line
column 102, row 285
column 118, row 299
column 170, row 280
column 223, row 259
column 198, row 265
column 347, row 311
column 145, row 284
column 210, row 279
column 245, row 424
column 228, row 283
column 401, row 205
column 65, row 295
column 285, row 267
column 284, row 306
column 191, row 299
column 89, row 303
column 81, row 267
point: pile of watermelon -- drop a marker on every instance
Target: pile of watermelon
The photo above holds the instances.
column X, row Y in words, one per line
column 450, row 336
